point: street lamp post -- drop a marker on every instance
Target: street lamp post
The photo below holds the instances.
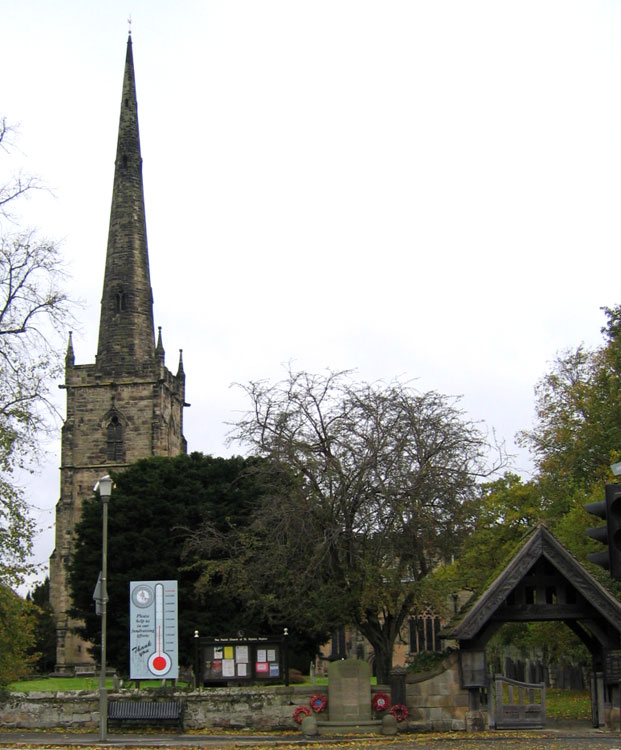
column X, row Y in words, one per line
column 104, row 485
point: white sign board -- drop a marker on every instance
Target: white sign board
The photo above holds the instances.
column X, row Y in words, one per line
column 153, row 640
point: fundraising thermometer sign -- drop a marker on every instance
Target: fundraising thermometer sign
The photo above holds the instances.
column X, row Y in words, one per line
column 153, row 642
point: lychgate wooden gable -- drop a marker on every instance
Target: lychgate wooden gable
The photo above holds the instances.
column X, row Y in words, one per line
column 544, row 581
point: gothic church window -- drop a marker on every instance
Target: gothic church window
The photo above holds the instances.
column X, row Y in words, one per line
column 114, row 440
column 425, row 633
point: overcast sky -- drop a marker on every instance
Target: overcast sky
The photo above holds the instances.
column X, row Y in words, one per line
column 418, row 189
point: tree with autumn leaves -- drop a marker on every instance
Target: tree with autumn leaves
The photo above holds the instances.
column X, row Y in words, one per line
column 575, row 438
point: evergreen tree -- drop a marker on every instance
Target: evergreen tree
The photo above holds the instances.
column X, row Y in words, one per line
column 157, row 503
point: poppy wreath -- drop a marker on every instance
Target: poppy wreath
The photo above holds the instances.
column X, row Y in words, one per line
column 380, row 701
column 399, row 711
column 300, row 713
column 318, row 703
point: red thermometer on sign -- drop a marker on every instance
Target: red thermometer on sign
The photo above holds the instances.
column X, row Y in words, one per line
column 159, row 662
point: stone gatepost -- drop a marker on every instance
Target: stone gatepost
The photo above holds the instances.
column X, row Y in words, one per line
column 397, row 685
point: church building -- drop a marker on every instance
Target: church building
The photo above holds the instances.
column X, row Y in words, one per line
column 127, row 405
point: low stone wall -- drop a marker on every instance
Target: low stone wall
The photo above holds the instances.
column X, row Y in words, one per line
column 240, row 707
column 43, row 710
column 437, row 702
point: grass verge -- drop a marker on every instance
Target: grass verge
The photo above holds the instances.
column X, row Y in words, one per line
column 59, row 684
column 568, row 704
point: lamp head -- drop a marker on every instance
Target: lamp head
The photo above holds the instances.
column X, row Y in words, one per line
column 104, row 485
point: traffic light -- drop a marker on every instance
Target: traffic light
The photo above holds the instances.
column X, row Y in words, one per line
column 610, row 534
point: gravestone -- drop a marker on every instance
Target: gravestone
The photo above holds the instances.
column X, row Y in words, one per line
column 349, row 690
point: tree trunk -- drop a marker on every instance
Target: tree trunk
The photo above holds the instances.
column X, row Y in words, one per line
column 382, row 638
column 383, row 661
column 382, row 634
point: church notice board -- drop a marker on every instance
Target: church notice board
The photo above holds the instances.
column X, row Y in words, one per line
column 241, row 659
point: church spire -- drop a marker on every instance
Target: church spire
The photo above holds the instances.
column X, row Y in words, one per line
column 126, row 333
column 159, row 349
column 70, row 356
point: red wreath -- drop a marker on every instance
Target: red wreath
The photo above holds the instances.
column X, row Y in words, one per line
column 381, row 701
column 318, row 703
column 399, row 711
column 300, row 713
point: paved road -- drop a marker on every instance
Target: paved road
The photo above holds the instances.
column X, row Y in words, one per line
column 566, row 739
column 577, row 737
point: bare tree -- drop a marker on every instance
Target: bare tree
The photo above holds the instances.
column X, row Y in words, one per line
column 17, row 185
column 34, row 309
column 384, row 491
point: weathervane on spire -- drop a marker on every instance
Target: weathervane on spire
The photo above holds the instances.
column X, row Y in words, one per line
column 129, row 23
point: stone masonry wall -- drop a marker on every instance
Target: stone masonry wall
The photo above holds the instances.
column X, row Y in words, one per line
column 235, row 708
column 50, row 710
column 437, row 702
column 266, row 708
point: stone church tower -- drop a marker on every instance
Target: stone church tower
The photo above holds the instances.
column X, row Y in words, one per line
column 127, row 405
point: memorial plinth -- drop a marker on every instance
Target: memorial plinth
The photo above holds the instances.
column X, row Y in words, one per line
column 349, row 699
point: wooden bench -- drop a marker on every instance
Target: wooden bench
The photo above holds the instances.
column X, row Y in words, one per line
column 146, row 711
column 84, row 671
column 88, row 670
